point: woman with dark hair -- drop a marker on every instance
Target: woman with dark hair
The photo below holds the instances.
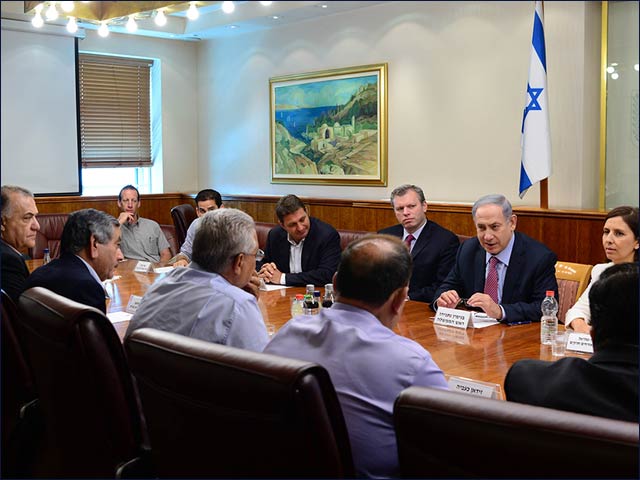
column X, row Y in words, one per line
column 620, row 243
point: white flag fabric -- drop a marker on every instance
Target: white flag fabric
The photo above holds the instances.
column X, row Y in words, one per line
column 535, row 141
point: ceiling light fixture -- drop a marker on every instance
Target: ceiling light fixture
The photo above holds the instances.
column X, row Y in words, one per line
column 103, row 31
column 132, row 26
column 72, row 26
column 192, row 13
column 52, row 12
column 228, row 7
column 110, row 14
column 37, row 21
column 266, row 4
column 161, row 18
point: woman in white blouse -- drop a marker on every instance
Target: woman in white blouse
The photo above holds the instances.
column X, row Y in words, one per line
column 620, row 242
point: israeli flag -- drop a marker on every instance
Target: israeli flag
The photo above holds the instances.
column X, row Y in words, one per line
column 535, row 141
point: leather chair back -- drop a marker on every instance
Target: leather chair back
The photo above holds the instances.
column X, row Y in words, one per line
column 49, row 235
column 573, row 279
column 262, row 230
column 171, row 235
column 448, row 434
column 21, row 428
column 85, row 389
column 182, row 216
column 219, row 411
column 348, row 236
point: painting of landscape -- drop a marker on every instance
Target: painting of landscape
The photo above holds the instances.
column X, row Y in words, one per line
column 330, row 127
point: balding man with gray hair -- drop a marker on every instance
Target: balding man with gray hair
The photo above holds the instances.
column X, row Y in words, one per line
column 354, row 340
column 19, row 228
column 502, row 272
column 215, row 297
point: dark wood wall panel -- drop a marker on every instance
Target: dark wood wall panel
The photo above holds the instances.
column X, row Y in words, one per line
column 156, row 206
column 574, row 235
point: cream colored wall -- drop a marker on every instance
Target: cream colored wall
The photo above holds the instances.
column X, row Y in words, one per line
column 179, row 70
column 457, row 80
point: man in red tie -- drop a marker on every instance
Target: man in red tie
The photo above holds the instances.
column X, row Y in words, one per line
column 433, row 248
column 503, row 272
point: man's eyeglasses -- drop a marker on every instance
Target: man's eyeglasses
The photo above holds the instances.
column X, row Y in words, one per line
column 259, row 255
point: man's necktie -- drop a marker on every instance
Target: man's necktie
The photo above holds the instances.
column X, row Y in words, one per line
column 491, row 283
column 410, row 238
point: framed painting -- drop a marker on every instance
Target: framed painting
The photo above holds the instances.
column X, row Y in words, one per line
column 330, row 127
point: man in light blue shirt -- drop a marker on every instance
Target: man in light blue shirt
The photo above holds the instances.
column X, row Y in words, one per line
column 207, row 200
column 215, row 297
column 354, row 340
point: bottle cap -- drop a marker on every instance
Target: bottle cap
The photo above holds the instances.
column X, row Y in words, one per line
column 550, row 293
column 316, row 293
column 299, row 296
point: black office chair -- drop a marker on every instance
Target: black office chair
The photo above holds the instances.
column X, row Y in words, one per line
column 22, row 427
column 448, row 434
column 182, row 216
column 218, row 411
column 93, row 426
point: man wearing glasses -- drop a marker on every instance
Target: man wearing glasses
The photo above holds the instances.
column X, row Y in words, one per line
column 206, row 201
column 215, row 297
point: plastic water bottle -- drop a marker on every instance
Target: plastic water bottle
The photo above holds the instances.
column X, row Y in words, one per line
column 297, row 306
column 328, row 298
column 47, row 257
column 549, row 320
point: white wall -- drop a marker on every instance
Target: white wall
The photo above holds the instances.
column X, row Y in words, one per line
column 179, row 76
column 457, row 82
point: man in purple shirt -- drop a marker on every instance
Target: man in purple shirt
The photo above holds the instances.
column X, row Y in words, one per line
column 368, row 363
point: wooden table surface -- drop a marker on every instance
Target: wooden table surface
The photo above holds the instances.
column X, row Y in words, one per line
column 480, row 354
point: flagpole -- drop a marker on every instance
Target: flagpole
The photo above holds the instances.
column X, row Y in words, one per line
column 544, row 193
column 544, row 183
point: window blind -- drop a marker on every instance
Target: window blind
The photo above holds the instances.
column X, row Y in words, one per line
column 115, row 103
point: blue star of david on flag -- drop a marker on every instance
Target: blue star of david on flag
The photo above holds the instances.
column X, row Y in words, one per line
column 535, row 163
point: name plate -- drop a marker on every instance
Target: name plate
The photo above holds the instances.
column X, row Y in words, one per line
column 134, row 303
column 143, row 267
column 451, row 317
column 475, row 387
column 580, row 342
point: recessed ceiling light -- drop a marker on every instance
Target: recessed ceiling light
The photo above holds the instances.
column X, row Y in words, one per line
column 324, row 5
column 275, row 17
column 233, row 26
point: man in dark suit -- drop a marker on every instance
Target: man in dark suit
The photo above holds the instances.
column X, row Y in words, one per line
column 19, row 228
column 504, row 273
column 606, row 385
column 90, row 251
column 433, row 248
column 301, row 250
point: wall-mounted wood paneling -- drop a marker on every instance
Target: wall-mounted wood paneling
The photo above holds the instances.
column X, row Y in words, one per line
column 155, row 206
column 574, row 235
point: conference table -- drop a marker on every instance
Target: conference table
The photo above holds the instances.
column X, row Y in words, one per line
column 479, row 354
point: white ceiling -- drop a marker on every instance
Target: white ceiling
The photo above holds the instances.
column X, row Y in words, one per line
column 249, row 16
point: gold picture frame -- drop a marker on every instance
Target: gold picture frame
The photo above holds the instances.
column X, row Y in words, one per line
column 330, row 127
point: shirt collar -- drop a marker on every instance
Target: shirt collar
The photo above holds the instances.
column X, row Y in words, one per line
column 415, row 234
column 299, row 244
column 505, row 254
column 91, row 271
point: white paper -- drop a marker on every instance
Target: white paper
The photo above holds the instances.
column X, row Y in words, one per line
column 163, row 269
column 268, row 287
column 482, row 320
column 117, row 317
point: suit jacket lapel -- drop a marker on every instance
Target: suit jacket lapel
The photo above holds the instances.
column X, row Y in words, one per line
column 516, row 263
column 307, row 247
column 422, row 241
column 480, row 265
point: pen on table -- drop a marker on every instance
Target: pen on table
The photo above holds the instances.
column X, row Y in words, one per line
column 523, row 322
